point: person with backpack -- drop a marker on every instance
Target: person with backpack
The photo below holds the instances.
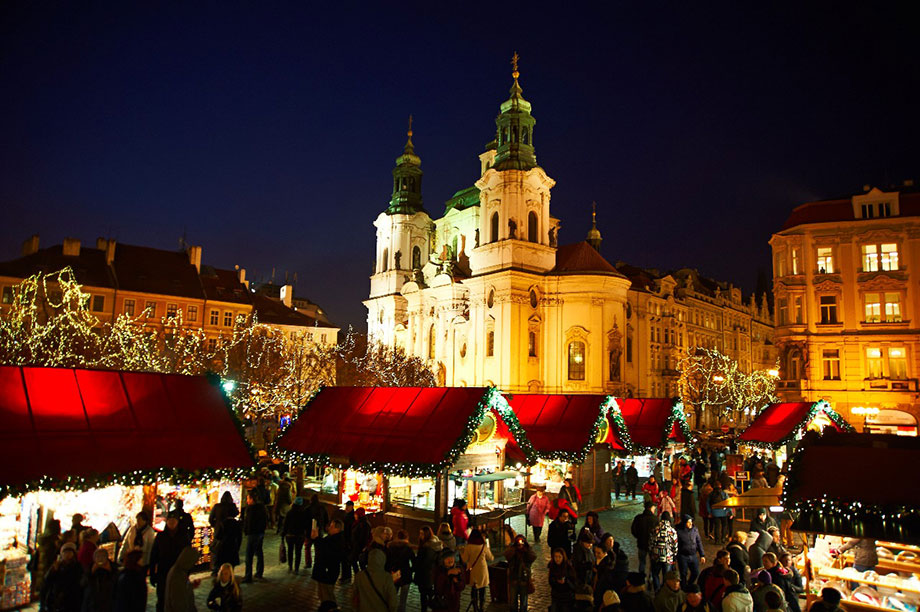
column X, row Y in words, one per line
column 662, row 550
column 712, row 579
column 718, row 516
column 284, row 499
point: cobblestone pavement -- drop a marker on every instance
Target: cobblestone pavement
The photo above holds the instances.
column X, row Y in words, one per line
column 281, row 590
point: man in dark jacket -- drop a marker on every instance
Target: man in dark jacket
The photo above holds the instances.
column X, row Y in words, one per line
column 739, row 554
column 186, row 524
column 690, row 554
column 561, row 533
column 166, row 548
column 619, row 478
column 331, row 551
column 294, row 530
column 632, row 480
column 641, row 529
column 401, row 558
column 61, row 591
column 255, row 521
column 712, row 580
column 348, row 522
column 634, row 597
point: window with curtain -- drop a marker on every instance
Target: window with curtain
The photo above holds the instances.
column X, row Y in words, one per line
column 576, row 360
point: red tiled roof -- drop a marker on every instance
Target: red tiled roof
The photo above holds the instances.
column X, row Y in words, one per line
column 582, row 258
column 149, row 270
column 825, row 211
column 275, row 312
column 224, row 286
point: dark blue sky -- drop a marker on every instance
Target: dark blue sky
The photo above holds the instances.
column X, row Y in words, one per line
column 266, row 132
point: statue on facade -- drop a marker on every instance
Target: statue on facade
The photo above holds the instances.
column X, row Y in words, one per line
column 512, row 229
column 614, row 351
column 477, row 237
column 397, row 258
column 552, row 237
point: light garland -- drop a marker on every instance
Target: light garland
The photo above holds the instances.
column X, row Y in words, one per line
column 815, row 409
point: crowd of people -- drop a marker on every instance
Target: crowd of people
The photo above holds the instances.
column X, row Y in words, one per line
column 588, row 568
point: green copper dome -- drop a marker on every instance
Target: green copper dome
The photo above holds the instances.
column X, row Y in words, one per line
column 514, row 135
column 407, row 181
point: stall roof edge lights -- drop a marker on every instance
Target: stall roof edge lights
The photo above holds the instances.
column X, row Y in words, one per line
column 782, row 422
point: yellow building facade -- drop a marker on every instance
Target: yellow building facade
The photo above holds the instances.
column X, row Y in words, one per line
column 847, row 306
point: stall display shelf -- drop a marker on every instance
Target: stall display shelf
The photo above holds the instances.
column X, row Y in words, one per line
column 886, row 582
column 15, row 582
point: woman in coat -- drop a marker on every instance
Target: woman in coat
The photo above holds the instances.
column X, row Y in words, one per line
column 225, row 595
column 520, row 557
column 561, row 581
column 446, row 535
column 448, row 584
column 460, row 520
column 140, row 537
column 593, row 524
column 49, row 546
column 426, row 561
column 476, row 556
column 537, row 508
column 131, row 586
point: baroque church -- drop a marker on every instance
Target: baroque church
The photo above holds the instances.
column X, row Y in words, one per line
column 485, row 293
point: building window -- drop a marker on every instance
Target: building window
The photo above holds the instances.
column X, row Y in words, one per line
column 828, row 308
column 493, row 228
column 797, row 309
column 877, row 257
column 531, row 344
column 416, row 258
column 432, row 338
column 215, row 317
column 825, row 260
column 7, row 295
column 796, row 264
column 779, row 264
column 874, row 363
column 129, row 308
column 889, row 259
column 532, row 230
column 782, row 311
column 98, row 303
column 172, row 310
column 212, row 344
column 882, row 307
column 831, row 363
column 309, row 336
column 893, row 307
column 576, row 360
column 490, row 343
column 151, row 309
column 897, row 363
column 228, row 319
column 193, row 314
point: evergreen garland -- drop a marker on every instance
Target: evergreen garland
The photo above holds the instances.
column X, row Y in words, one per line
column 794, row 434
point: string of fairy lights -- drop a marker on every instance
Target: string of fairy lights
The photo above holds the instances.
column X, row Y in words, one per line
column 816, row 409
column 712, row 380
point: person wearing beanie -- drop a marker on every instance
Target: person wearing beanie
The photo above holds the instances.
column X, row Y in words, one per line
column 635, row 598
column 61, row 589
column 610, row 601
column 690, row 554
column 762, row 583
column 693, row 600
column 736, row 597
column 669, row 597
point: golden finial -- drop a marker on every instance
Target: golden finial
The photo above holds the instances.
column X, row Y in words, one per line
column 514, row 65
column 410, row 127
column 593, row 213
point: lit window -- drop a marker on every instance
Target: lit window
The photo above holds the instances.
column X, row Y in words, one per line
column 874, row 363
column 825, row 260
column 831, row 363
column 129, row 308
column 797, row 309
column 531, row 344
column 215, row 317
column 779, row 264
column 795, row 261
column 873, row 308
column 98, row 303
column 490, row 344
column 897, row 363
column 7, row 295
column 151, row 309
column 889, row 259
column 172, row 310
column 828, row 308
column 782, row 311
column 192, row 313
column 576, row 360
column 869, row 258
column 893, row 307
column 228, row 319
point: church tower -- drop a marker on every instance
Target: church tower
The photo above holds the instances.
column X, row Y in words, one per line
column 403, row 237
column 515, row 225
column 594, row 234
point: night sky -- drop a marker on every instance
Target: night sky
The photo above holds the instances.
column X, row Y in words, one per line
column 266, row 132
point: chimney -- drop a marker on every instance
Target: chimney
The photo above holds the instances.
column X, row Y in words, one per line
column 101, row 243
column 30, row 246
column 110, row 252
column 71, row 247
column 194, row 257
column 287, row 295
column 241, row 275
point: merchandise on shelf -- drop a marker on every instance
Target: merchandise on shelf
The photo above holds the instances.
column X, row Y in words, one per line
column 365, row 490
column 197, row 501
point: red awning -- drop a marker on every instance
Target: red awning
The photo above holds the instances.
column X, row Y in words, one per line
column 405, row 427
column 557, row 424
column 777, row 422
column 651, row 423
column 63, row 423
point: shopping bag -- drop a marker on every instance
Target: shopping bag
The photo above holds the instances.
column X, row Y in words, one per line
column 282, row 553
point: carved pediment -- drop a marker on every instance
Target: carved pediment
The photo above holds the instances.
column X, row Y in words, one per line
column 880, row 282
column 829, row 285
column 879, row 235
column 576, row 331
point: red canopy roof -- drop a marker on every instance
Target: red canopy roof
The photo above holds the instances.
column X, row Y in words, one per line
column 558, row 424
column 389, row 429
column 67, row 424
column 778, row 422
column 650, row 423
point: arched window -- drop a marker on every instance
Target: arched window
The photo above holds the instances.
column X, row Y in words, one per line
column 525, row 136
column 531, row 343
column 532, row 231
column 416, row 258
column 490, row 343
column 576, row 360
column 453, row 249
column 384, row 265
column 493, row 234
column 514, row 134
column 431, row 342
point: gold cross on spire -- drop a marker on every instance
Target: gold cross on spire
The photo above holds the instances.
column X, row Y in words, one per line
column 410, row 126
column 514, row 65
column 593, row 213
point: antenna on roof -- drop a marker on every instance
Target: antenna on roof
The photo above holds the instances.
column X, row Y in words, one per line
column 183, row 242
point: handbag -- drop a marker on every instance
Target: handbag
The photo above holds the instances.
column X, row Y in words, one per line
column 468, row 571
column 282, row 552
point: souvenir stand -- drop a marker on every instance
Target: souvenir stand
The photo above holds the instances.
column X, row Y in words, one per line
column 570, row 435
column 97, row 443
column 427, row 447
column 848, row 485
column 643, row 428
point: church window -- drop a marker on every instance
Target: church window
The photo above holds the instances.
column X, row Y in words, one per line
column 533, row 299
column 576, row 360
column 416, row 257
column 531, row 343
column 431, row 342
column 525, row 137
column 532, row 231
column 490, row 343
column 385, row 263
column 514, row 134
column 491, row 299
column 493, row 234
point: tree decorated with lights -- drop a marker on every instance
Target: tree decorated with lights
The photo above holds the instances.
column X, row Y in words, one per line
column 364, row 364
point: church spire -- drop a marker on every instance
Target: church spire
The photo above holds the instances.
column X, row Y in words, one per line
column 407, row 180
column 594, row 234
column 515, row 128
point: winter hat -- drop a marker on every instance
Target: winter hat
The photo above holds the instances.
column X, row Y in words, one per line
column 692, row 588
column 611, row 598
column 69, row 546
column 763, row 577
column 672, row 575
column 635, row 578
column 831, row 595
column 687, row 517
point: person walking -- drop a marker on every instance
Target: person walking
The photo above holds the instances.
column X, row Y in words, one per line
column 642, row 526
column 99, row 583
column 360, row 538
column 320, row 520
column 476, row 556
column 619, row 478
column 401, row 558
column 669, row 597
column 662, row 549
column 448, row 584
column 570, row 493
column 520, row 559
column 140, row 536
column 330, row 552
column 761, row 584
column 294, row 531
column 651, row 489
column 738, row 554
column 632, row 480
column 561, row 533
column 426, row 561
column 460, row 520
column 374, row 590
column 61, row 591
column 712, row 580
column 227, row 533
column 49, row 547
column 284, row 499
column 446, row 535
column 736, row 597
column 718, row 516
column 348, row 521
column 537, row 508
column 255, row 520
column 694, row 601
column 705, row 492
column 635, row 597
column 166, row 548
column 690, row 553
column 225, row 595
column 186, row 524
column 180, row 589
column 131, row 585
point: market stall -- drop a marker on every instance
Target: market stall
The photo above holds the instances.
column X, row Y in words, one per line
column 643, row 429
column 781, row 423
column 569, row 435
column 853, row 485
column 97, row 443
column 427, row 446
